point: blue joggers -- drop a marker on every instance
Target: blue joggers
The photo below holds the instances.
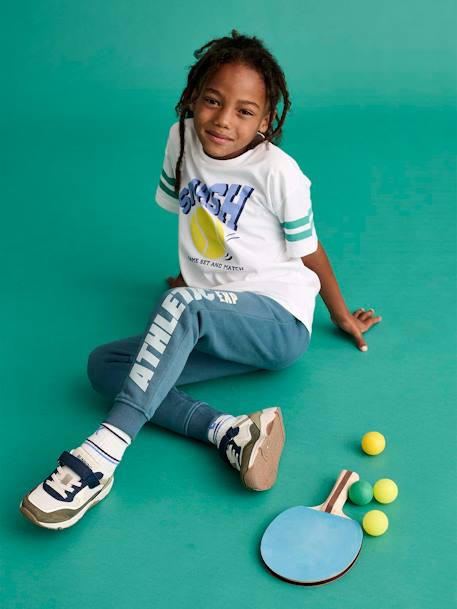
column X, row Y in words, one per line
column 192, row 335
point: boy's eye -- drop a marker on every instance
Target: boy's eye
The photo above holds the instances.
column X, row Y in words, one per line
column 210, row 99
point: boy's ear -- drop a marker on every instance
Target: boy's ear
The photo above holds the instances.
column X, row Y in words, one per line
column 264, row 124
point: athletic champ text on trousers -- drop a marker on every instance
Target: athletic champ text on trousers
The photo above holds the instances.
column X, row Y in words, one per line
column 163, row 326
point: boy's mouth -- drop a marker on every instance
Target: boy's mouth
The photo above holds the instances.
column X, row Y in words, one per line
column 219, row 139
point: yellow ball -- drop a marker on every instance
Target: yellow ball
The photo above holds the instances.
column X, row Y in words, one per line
column 207, row 234
column 373, row 443
column 375, row 522
column 385, row 490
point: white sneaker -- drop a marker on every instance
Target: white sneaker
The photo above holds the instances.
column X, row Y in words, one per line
column 253, row 445
column 66, row 495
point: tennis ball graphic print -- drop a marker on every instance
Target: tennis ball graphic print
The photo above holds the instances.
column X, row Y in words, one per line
column 207, row 234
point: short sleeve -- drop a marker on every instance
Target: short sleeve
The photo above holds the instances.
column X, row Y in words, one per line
column 292, row 206
column 165, row 194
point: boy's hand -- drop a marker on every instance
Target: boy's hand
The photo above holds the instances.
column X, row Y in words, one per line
column 356, row 323
column 176, row 282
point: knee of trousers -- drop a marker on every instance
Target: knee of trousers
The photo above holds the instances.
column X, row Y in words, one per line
column 181, row 307
column 96, row 362
column 292, row 353
column 184, row 300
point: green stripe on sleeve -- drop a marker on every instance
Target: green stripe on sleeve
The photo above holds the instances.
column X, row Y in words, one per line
column 171, row 181
column 299, row 236
column 297, row 223
column 168, row 191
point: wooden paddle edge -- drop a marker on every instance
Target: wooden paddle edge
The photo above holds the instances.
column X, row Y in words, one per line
column 319, row 583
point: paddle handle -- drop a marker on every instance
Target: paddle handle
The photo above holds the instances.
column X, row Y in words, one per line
column 339, row 494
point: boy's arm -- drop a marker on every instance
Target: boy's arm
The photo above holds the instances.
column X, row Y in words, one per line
column 353, row 323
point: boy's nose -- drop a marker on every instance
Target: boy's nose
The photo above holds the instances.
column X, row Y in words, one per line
column 223, row 118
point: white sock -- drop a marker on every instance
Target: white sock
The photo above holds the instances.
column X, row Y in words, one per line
column 105, row 447
column 219, row 427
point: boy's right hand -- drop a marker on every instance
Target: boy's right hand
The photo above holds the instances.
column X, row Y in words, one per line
column 176, row 282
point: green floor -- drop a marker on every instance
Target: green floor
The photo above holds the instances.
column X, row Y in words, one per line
column 85, row 254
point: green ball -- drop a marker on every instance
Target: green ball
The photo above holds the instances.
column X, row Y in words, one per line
column 361, row 492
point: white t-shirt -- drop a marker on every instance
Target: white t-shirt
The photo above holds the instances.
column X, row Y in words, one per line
column 244, row 222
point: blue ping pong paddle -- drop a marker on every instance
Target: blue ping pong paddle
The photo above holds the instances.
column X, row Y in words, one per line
column 314, row 545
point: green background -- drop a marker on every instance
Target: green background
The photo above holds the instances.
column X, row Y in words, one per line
column 89, row 90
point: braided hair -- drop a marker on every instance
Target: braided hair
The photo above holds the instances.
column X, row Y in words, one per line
column 238, row 48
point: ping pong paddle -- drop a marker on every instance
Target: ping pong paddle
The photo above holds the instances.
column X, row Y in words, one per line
column 314, row 545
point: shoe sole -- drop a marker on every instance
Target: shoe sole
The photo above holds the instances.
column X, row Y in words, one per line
column 57, row 526
column 260, row 460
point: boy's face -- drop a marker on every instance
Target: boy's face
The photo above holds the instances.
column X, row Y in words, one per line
column 222, row 108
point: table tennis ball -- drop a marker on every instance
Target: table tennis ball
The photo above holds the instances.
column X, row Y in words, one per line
column 385, row 490
column 361, row 492
column 373, row 443
column 375, row 522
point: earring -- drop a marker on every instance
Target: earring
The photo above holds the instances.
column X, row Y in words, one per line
column 260, row 133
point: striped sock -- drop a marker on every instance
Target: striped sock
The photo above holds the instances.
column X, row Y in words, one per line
column 219, row 427
column 107, row 446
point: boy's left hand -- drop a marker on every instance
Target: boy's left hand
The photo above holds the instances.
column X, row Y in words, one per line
column 176, row 282
column 356, row 323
